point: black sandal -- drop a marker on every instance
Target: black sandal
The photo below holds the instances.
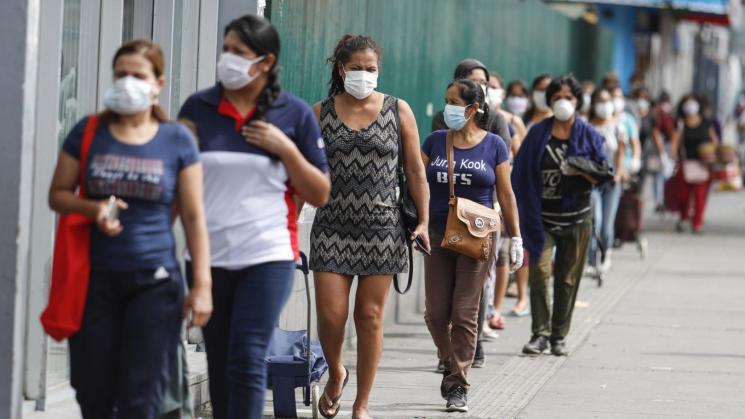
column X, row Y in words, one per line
column 331, row 403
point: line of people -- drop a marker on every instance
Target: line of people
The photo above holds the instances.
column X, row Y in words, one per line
column 243, row 159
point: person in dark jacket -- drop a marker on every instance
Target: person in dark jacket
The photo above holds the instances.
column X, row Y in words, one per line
column 554, row 205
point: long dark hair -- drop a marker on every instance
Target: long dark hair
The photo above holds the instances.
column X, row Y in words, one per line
column 153, row 53
column 348, row 45
column 472, row 93
column 261, row 36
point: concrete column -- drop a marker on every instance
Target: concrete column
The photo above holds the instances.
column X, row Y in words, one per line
column 19, row 21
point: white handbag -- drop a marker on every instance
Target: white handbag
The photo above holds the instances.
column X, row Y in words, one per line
column 695, row 172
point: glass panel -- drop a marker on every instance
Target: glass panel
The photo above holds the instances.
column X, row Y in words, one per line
column 138, row 20
column 175, row 70
column 69, row 112
column 128, row 20
column 68, row 103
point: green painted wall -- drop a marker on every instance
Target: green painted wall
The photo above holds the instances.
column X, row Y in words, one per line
column 423, row 40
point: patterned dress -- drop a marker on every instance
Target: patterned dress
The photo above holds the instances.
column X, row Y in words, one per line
column 359, row 231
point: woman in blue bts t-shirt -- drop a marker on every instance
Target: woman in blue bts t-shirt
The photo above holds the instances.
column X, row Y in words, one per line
column 261, row 149
column 453, row 282
column 120, row 359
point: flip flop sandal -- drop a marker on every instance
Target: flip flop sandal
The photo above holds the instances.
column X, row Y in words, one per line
column 523, row 313
column 331, row 403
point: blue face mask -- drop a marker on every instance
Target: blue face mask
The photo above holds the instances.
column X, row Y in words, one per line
column 455, row 116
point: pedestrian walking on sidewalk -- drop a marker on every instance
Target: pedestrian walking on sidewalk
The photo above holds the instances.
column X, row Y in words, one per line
column 539, row 109
column 359, row 232
column 262, row 151
column 499, row 273
column 554, row 204
column 605, row 199
column 495, row 95
column 474, row 70
column 137, row 167
column 454, row 282
column 693, row 134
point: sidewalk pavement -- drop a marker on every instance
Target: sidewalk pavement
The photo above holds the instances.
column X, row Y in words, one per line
column 663, row 337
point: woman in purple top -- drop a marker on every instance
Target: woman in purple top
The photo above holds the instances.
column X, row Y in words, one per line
column 453, row 282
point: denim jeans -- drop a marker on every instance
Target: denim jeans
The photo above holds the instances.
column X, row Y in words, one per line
column 121, row 357
column 605, row 201
column 247, row 305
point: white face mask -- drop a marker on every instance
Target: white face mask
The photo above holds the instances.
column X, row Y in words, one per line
column 360, row 84
column 539, row 99
column 604, row 110
column 494, row 97
column 586, row 103
column 517, row 105
column 232, row 70
column 643, row 105
column 691, row 107
column 129, row 95
column 563, row 110
column 619, row 104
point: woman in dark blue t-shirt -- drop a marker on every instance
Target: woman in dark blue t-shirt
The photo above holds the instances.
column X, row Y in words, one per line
column 120, row 358
column 453, row 282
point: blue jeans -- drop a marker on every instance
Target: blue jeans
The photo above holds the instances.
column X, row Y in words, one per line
column 121, row 357
column 658, row 186
column 247, row 305
column 605, row 206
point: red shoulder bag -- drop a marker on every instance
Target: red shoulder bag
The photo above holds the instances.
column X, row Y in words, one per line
column 71, row 260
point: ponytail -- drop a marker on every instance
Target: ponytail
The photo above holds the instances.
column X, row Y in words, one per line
column 472, row 93
column 261, row 36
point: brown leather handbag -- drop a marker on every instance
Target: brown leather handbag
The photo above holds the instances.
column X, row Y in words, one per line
column 470, row 225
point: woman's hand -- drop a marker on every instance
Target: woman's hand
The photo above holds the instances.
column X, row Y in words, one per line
column 621, row 175
column 422, row 232
column 198, row 306
column 517, row 254
column 267, row 137
column 108, row 227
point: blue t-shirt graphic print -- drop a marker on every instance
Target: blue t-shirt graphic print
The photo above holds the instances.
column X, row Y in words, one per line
column 144, row 176
column 474, row 173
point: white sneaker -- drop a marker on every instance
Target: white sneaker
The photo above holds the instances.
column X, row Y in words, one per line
column 605, row 266
column 590, row 270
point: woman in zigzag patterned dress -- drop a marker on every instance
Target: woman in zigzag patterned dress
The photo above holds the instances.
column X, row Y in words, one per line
column 359, row 231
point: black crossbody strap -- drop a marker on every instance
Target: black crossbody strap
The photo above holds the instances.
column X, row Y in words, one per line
column 401, row 186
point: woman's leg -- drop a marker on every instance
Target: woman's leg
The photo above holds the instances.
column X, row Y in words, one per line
column 94, row 349
column 596, row 201
column 500, row 288
column 332, row 309
column 684, row 200
column 217, row 337
column 151, row 327
column 611, row 199
column 470, row 276
column 369, row 308
column 539, row 277
column 659, row 188
column 260, row 294
column 439, row 277
column 571, row 254
column 700, row 195
column 521, row 278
